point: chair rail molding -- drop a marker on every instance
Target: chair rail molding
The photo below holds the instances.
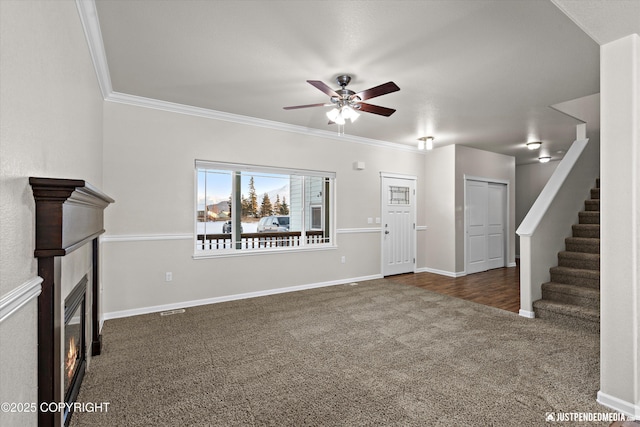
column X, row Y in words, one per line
column 20, row 296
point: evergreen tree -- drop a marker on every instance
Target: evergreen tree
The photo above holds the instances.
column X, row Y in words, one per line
column 266, row 208
column 277, row 208
column 284, row 208
column 243, row 206
column 253, row 200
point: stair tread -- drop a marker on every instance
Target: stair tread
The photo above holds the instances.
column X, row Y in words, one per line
column 580, row 272
column 568, row 309
column 572, row 289
column 583, row 239
column 578, row 255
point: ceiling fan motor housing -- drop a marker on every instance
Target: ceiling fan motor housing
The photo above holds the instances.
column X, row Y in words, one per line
column 343, row 80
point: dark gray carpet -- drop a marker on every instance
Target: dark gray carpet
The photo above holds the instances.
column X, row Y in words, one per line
column 378, row 353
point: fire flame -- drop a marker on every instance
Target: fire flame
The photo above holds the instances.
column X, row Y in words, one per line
column 72, row 357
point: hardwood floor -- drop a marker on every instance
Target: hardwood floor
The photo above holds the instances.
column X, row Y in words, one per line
column 498, row 288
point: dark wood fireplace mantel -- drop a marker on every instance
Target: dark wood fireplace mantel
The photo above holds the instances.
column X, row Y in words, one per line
column 69, row 214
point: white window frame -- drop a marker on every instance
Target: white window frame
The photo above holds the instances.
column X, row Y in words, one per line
column 239, row 167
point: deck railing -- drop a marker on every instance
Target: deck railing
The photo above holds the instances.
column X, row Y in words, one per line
column 259, row 240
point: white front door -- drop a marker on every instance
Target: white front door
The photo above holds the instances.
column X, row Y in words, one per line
column 398, row 225
column 485, row 207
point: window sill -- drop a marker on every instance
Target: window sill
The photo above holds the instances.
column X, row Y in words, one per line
column 250, row 252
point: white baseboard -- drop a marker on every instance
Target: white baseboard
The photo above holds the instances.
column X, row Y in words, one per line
column 215, row 300
column 512, row 264
column 18, row 297
column 440, row 272
column 527, row 314
column 624, row 407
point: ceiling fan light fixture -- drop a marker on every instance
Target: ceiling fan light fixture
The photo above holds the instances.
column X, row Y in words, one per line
column 333, row 114
column 544, row 159
column 534, row 145
column 349, row 113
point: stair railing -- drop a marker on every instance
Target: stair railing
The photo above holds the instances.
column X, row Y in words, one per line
column 549, row 221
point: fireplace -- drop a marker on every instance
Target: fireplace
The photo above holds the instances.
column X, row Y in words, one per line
column 75, row 349
column 69, row 215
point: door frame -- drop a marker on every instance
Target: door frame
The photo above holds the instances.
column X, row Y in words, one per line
column 414, row 206
column 506, row 216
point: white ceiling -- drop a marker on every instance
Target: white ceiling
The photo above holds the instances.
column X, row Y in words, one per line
column 473, row 72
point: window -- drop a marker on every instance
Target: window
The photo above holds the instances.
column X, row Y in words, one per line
column 256, row 208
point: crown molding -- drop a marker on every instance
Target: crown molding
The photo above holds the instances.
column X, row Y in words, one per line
column 91, row 25
column 173, row 107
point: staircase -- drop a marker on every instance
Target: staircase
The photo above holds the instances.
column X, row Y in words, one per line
column 572, row 296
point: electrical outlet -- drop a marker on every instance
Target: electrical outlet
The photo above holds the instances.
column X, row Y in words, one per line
column 344, row 259
column 168, row 276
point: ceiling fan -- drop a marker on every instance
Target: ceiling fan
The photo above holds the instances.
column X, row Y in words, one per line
column 346, row 103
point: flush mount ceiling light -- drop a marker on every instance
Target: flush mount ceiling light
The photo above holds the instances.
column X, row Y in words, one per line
column 534, row 145
column 425, row 142
column 544, row 159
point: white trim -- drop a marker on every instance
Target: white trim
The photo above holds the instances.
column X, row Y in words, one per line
column 91, row 25
column 215, row 300
column 276, row 170
column 512, row 264
column 230, row 253
column 14, row 300
column 398, row 176
column 527, row 314
column 144, row 237
column 441, row 272
column 173, row 107
column 540, row 207
column 158, row 237
column 624, row 407
column 358, row 230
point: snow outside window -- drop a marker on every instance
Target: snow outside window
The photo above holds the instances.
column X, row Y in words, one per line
column 257, row 208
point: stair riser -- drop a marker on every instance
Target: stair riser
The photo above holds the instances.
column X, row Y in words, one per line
column 571, row 299
column 589, row 217
column 584, row 264
column 586, row 232
column 595, row 193
column 584, row 247
column 575, row 280
column 572, row 322
column 592, row 205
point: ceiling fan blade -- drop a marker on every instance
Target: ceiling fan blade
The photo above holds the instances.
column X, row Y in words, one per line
column 383, row 89
column 323, row 87
column 303, row 106
column 375, row 109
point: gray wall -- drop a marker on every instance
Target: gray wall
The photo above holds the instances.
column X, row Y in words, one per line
column 149, row 227
column 445, row 171
column 530, row 180
column 51, row 110
column 620, row 225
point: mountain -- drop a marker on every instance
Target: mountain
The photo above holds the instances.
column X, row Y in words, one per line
column 283, row 191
